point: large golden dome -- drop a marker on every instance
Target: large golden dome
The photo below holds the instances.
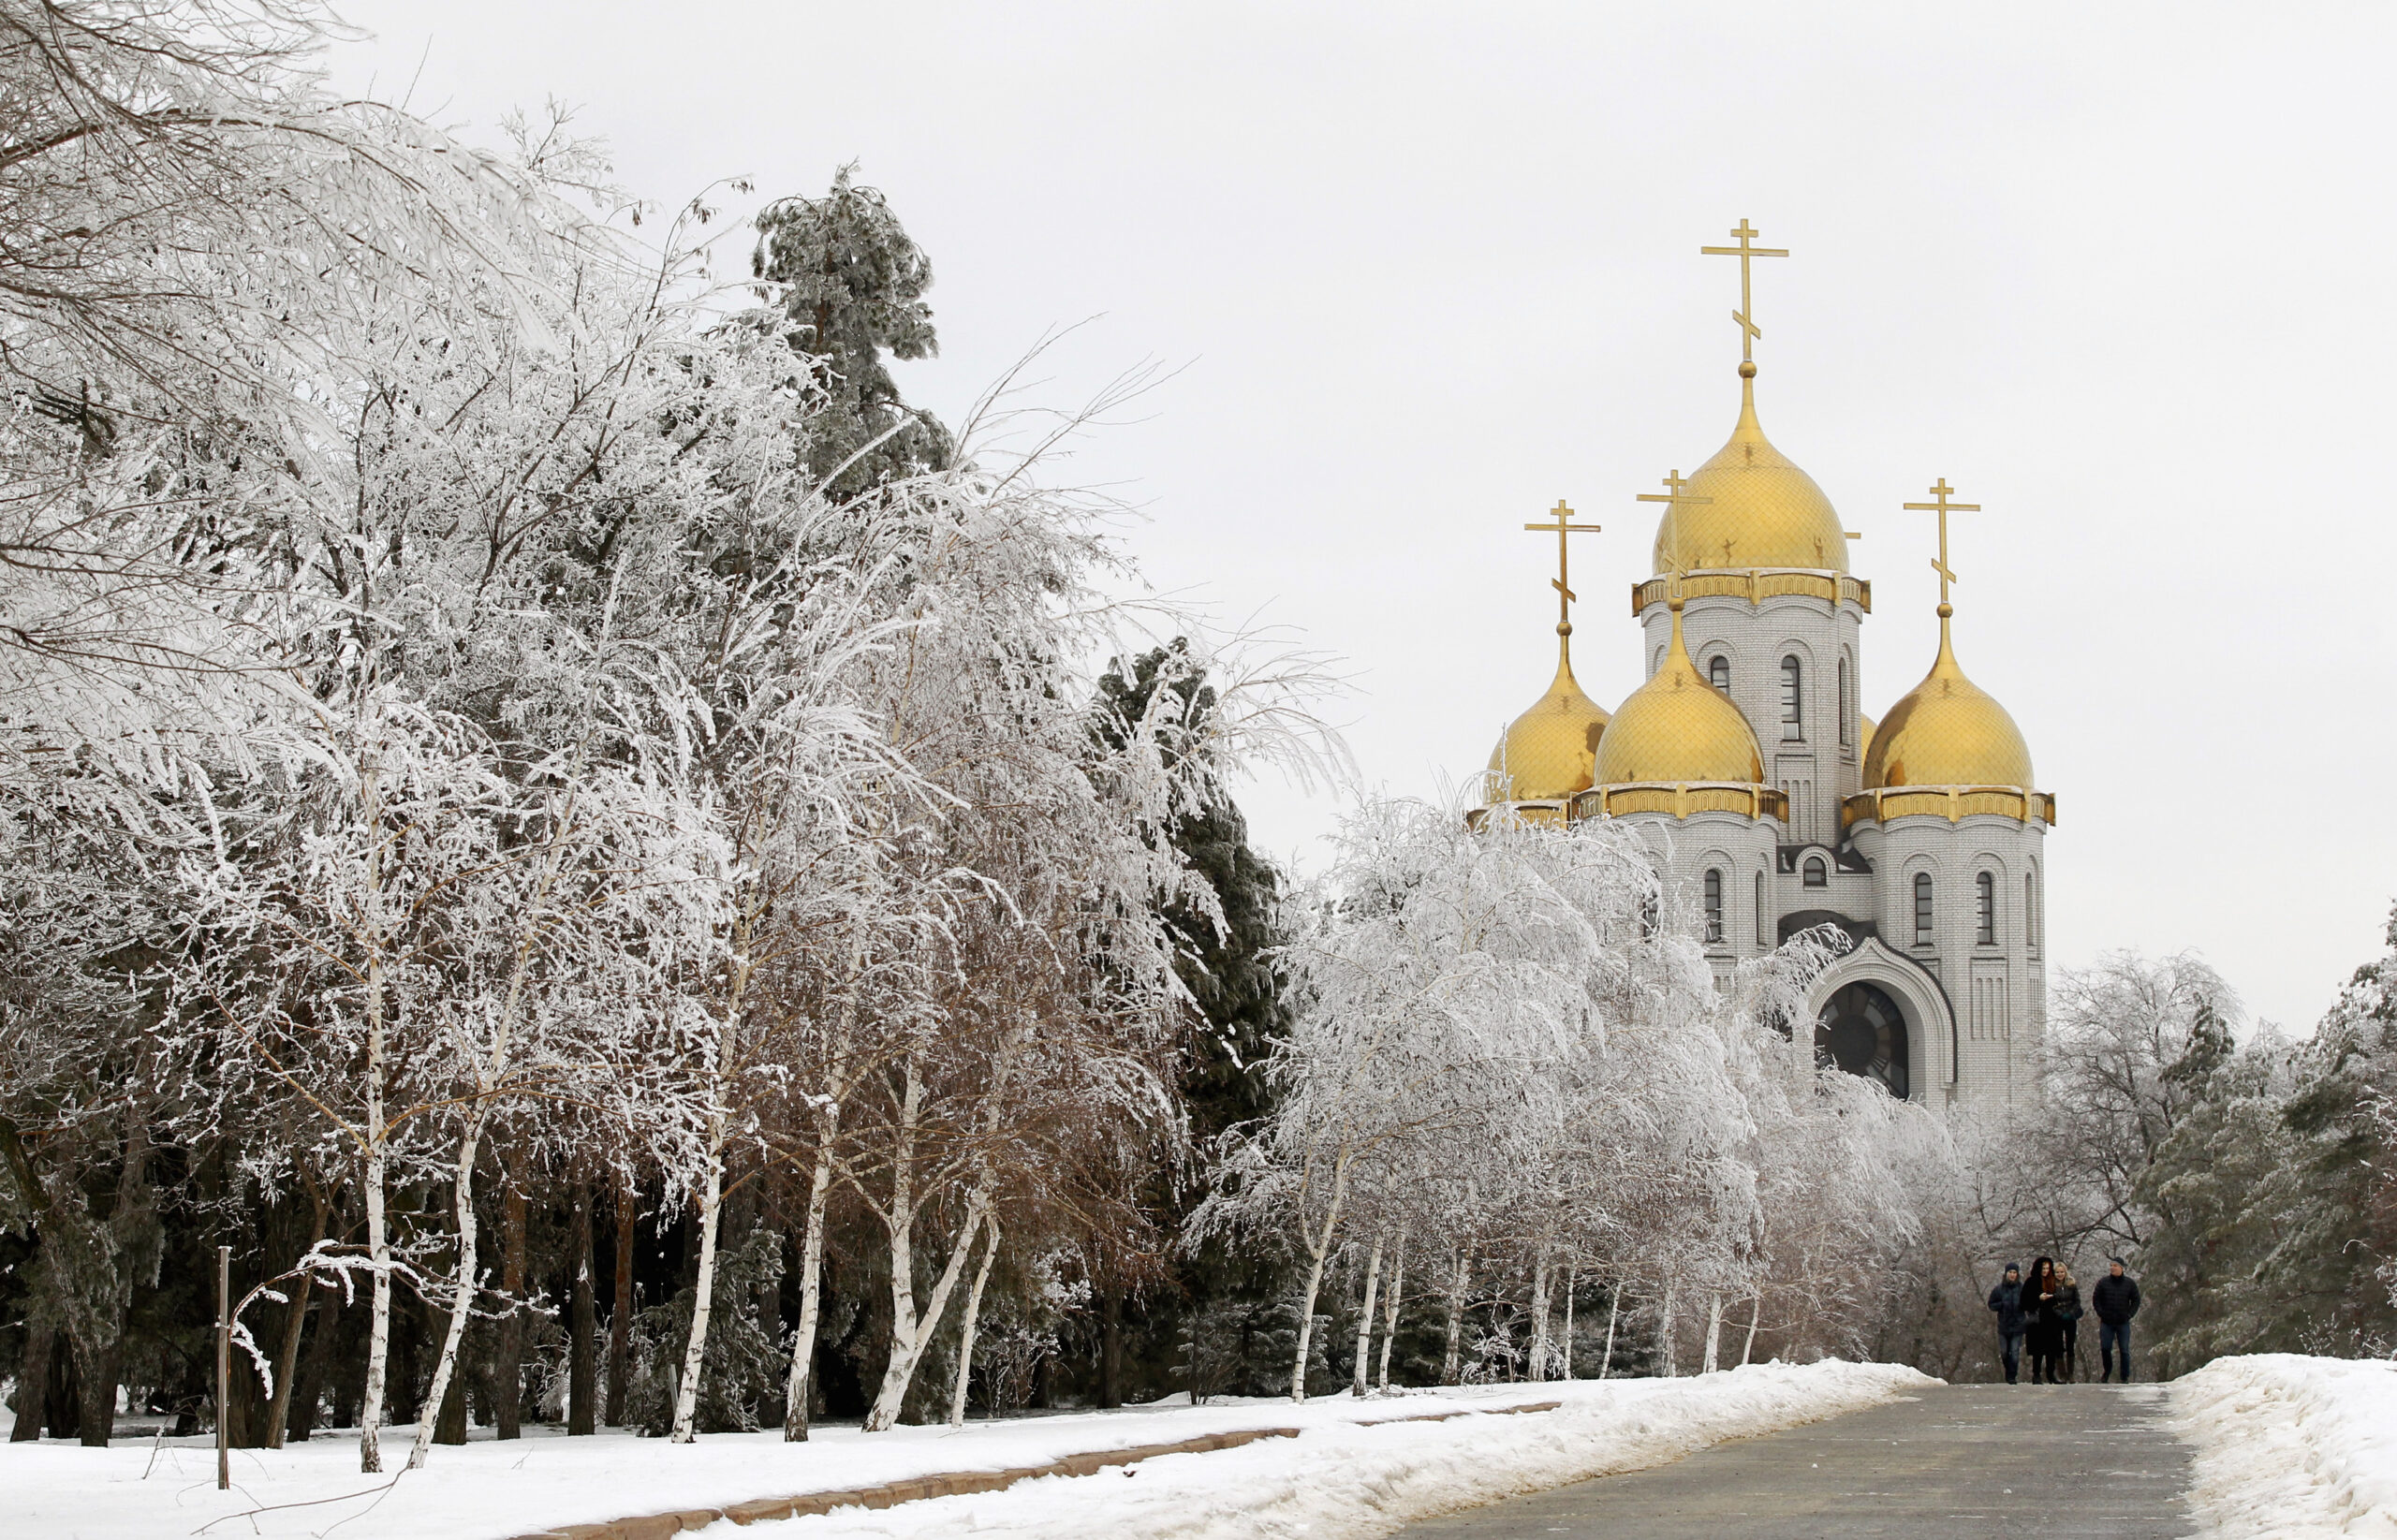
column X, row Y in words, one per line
column 1548, row 751
column 1947, row 731
column 1761, row 511
column 1677, row 727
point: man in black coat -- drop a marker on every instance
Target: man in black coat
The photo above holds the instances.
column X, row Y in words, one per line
column 2116, row 1301
column 2006, row 1300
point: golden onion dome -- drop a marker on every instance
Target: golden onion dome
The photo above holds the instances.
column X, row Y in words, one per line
column 1677, row 727
column 1866, row 729
column 1548, row 751
column 1947, row 731
column 1750, row 507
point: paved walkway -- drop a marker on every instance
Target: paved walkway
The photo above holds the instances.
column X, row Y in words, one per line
column 1976, row 1460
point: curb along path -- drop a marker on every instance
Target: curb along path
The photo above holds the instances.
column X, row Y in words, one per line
column 662, row 1526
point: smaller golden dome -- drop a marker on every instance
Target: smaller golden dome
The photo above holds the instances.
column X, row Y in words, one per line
column 1947, row 731
column 1548, row 751
column 1677, row 727
column 1866, row 729
column 1751, row 506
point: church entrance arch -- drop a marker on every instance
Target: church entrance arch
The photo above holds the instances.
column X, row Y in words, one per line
column 1862, row 1031
column 1912, row 1007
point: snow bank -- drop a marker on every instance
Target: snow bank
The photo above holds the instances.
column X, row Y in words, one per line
column 1348, row 1480
column 2292, row 1447
column 1340, row 1478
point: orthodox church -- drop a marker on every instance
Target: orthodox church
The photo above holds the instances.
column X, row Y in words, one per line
column 1774, row 804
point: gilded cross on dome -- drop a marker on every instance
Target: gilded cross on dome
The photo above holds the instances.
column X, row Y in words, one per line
column 1744, row 250
column 1674, row 497
column 1941, row 492
column 1563, row 526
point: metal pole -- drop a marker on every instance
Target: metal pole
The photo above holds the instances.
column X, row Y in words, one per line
column 224, row 1365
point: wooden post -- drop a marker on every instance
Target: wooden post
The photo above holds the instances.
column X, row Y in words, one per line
column 223, row 1367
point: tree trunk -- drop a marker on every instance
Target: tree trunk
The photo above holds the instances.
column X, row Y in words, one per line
column 1111, row 1346
column 1319, row 1247
column 1539, row 1317
column 620, row 1318
column 295, row 1319
column 1614, row 1308
column 800, row 1388
column 1756, row 1309
column 378, row 1238
column 1450, row 1361
column 33, row 1382
column 95, row 1397
column 582, row 1324
column 1389, row 1311
column 1714, row 1329
column 910, row 1333
column 967, row 1328
column 687, row 1394
column 1664, row 1333
column 1365, row 1321
column 444, row 1368
column 508, row 1371
column 318, row 1365
column 1572, row 1277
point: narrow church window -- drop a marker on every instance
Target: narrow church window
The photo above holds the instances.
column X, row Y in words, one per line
column 1846, row 733
column 1985, row 895
column 1762, row 939
column 1718, row 673
column 1713, row 903
column 2030, row 912
column 1922, row 908
column 1817, row 874
column 1793, row 725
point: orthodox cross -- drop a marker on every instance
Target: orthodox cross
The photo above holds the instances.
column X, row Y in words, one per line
column 1748, row 332
column 1674, row 497
column 1942, row 508
column 1562, row 526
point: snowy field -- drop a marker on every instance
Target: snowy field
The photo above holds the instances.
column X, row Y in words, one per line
column 1341, row 1478
column 2292, row 1447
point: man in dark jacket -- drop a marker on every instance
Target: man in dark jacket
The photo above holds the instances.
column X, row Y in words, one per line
column 2116, row 1301
column 2006, row 1300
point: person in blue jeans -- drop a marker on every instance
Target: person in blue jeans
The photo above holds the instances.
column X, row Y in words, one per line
column 2116, row 1301
column 2005, row 1301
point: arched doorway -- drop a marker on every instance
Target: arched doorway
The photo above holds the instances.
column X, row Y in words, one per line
column 1862, row 1032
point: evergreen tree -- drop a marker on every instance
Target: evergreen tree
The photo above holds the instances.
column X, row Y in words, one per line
column 852, row 285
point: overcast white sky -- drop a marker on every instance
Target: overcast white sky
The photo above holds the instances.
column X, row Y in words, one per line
column 2118, row 273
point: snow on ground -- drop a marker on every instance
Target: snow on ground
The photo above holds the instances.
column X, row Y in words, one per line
column 2292, row 1447
column 1339, row 1478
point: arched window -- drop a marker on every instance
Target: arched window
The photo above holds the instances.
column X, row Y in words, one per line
column 1713, row 903
column 1985, row 908
column 1922, row 908
column 1817, row 874
column 1846, row 717
column 1793, row 720
column 1718, row 673
column 1659, row 661
column 2031, row 911
column 1762, row 939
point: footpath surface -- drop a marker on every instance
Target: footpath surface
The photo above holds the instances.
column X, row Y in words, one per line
column 2082, row 1460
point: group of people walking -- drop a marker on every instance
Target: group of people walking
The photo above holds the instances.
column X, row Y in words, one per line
column 2043, row 1313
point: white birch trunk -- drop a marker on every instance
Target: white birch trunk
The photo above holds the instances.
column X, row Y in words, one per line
column 1450, row 1361
column 379, row 1234
column 1357, row 1386
column 907, row 1349
column 1389, row 1310
column 686, row 1393
column 1714, row 1329
column 1540, row 1317
column 1317, row 1246
column 1614, row 1309
column 811, row 1285
column 1572, row 1277
column 966, row 1328
column 461, row 1300
column 1664, row 1333
column 1756, row 1309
